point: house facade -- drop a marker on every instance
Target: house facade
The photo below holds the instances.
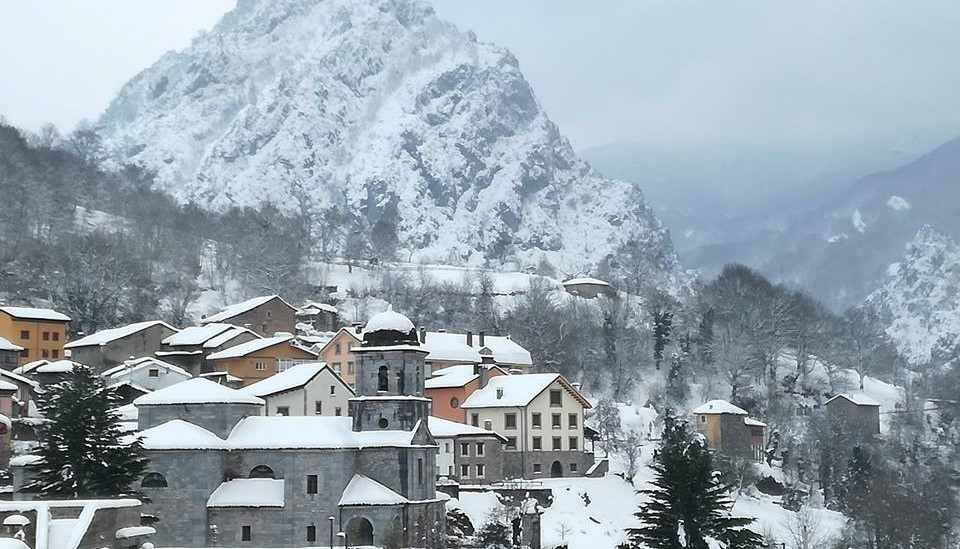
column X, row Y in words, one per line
column 541, row 416
column 858, row 415
column 589, row 288
column 223, row 475
column 265, row 315
column 467, row 454
column 450, row 387
column 309, row 389
column 9, row 355
column 147, row 372
column 40, row 332
column 728, row 430
column 260, row 358
column 320, row 317
column 338, row 353
column 109, row 348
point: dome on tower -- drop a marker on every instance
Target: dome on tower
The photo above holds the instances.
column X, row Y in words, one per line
column 389, row 328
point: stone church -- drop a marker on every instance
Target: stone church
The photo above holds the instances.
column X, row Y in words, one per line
column 224, row 475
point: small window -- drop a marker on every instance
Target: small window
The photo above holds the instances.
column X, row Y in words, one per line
column 25, row 353
column 573, row 443
column 153, row 480
column 537, row 443
column 557, row 443
column 154, row 372
column 312, row 484
column 447, row 447
column 311, row 533
column 537, row 468
column 383, row 379
column 556, row 398
column 475, row 420
column 573, row 467
column 479, row 448
column 56, row 336
column 263, row 328
column 261, row 471
column 480, row 470
column 245, row 533
column 283, row 410
column 555, row 421
column 572, row 421
column 44, row 353
column 46, row 336
column 510, row 421
column 536, row 421
column 261, row 366
column 269, row 313
column 420, row 470
column 703, row 419
column 24, row 334
column 450, row 470
column 464, row 449
column 336, row 348
column 464, row 471
column 336, row 411
column 336, row 367
column 55, row 353
column 511, row 443
column 454, row 402
column 351, row 369
column 333, row 389
column 318, row 407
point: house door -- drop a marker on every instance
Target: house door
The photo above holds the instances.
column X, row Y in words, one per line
column 556, row 470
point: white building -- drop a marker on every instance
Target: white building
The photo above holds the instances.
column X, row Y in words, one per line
column 148, row 373
column 303, row 390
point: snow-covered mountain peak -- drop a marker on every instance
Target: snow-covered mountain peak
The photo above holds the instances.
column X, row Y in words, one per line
column 381, row 114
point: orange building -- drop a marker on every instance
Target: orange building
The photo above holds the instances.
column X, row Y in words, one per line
column 450, row 387
column 260, row 358
column 41, row 332
column 338, row 353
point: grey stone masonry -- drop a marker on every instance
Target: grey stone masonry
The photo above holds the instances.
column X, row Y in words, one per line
column 546, row 464
column 218, row 418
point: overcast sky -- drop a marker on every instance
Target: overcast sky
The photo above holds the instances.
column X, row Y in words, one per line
column 650, row 71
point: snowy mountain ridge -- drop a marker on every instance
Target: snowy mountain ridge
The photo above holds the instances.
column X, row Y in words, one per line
column 919, row 302
column 384, row 114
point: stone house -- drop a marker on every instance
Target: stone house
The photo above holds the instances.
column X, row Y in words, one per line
column 222, row 475
column 729, row 431
column 449, row 387
column 76, row 524
column 265, row 315
column 309, row 389
column 320, row 317
column 9, row 355
column 541, row 416
column 589, row 288
column 190, row 347
column 858, row 415
column 108, row 348
column 260, row 358
column 40, row 332
column 467, row 454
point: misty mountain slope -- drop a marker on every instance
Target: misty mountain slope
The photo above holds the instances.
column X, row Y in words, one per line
column 919, row 302
column 386, row 115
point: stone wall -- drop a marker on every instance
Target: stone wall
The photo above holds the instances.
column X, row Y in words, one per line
column 217, row 418
column 523, row 464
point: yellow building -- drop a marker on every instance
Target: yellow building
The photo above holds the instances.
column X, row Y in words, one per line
column 260, row 358
column 338, row 353
column 41, row 332
column 729, row 431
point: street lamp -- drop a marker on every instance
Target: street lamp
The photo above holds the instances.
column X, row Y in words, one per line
column 331, row 532
column 344, row 536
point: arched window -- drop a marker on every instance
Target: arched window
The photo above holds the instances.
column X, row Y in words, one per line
column 262, row 471
column 383, row 379
column 153, row 480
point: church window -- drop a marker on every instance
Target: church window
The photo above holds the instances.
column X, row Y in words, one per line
column 245, row 533
column 311, row 533
column 153, row 480
column 262, row 471
column 383, row 379
column 383, row 423
column 312, row 484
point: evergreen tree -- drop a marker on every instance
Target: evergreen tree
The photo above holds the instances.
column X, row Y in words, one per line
column 688, row 506
column 677, row 389
column 662, row 324
column 83, row 448
column 494, row 534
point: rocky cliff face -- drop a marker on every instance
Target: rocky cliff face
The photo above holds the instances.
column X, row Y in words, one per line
column 381, row 114
column 919, row 302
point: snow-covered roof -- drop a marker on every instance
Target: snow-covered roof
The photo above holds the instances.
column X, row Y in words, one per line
column 750, row 422
column 443, row 428
column 104, row 337
column 449, row 347
column 585, row 280
column 452, row 376
column 239, row 308
column 30, row 366
column 719, row 407
column 859, row 400
column 196, row 335
column 177, row 434
column 389, row 320
column 306, row 432
column 18, row 378
column 7, row 386
column 136, row 364
column 506, row 350
column 6, row 345
column 248, row 492
column 363, row 490
column 25, row 460
column 134, row 531
column 518, row 390
column 32, row 313
column 127, row 412
column 11, row 543
column 55, row 367
column 227, row 376
column 250, row 347
column 292, row 378
column 313, row 308
column 197, row 391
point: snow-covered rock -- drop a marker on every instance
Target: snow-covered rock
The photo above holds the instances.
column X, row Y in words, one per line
column 381, row 112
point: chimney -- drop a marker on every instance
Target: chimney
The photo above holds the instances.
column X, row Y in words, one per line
column 423, row 334
column 499, row 393
column 469, row 339
column 577, row 386
column 483, row 336
column 357, row 328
